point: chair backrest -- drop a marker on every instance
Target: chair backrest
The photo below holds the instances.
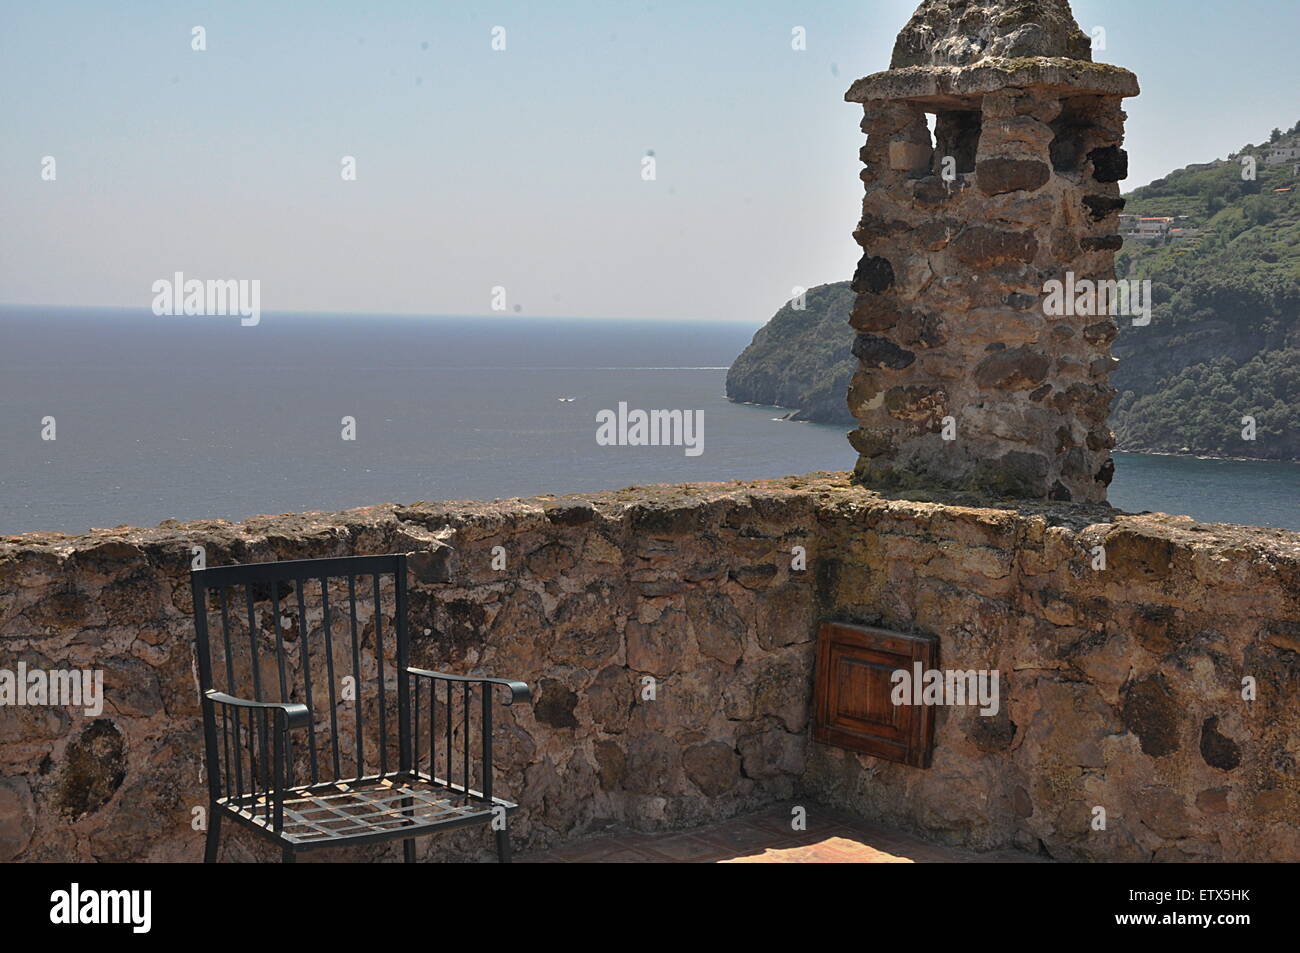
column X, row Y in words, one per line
column 328, row 633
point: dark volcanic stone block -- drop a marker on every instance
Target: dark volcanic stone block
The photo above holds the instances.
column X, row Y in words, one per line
column 873, row 275
column 1102, row 243
column 1109, row 164
column 1102, row 205
column 875, row 351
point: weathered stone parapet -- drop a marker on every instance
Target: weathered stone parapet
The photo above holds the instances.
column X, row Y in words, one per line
column 1121, row 686
column 1053, row 74
column 690, row 587
column 969, row 378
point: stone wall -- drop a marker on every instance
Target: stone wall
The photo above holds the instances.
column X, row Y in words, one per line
column 687, row 586
column 1121, row 687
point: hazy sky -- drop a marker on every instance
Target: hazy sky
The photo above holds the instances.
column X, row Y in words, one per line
column 519, row 168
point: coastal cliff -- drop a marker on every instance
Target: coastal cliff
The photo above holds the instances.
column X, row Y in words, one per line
column 801, row 359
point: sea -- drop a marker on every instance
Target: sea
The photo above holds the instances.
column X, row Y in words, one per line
column 156, row 418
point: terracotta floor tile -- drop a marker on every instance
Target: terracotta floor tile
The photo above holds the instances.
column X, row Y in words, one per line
column 737, row 836
column 625, row 855
column 686, row 848
column 582, row 848
column 776, row 823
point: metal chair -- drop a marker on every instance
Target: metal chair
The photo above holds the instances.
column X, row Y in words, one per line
column 306, row 743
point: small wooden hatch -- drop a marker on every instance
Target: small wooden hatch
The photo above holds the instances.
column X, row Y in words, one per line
column 851, row 701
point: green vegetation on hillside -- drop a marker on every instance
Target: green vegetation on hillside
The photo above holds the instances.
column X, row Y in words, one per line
column 1203, row 409
column 1226, row 325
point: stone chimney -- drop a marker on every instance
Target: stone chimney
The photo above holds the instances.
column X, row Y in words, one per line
column 968, row 377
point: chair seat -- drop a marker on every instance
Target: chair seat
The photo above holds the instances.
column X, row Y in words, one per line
column 371, row 809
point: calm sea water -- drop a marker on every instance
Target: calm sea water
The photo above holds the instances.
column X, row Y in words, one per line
column 190, row 418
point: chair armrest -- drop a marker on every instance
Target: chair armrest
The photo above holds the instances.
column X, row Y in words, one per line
column 519, row 691
column 296, row 715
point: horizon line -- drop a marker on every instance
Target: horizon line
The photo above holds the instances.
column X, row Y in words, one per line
column 493, row 316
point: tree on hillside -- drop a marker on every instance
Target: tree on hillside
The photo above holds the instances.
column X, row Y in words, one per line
column 1275, row 135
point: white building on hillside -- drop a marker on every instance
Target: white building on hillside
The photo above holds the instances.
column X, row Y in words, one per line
column 1146, row 229
column 1282, row 152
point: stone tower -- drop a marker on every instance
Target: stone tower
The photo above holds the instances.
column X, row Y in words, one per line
column 969, row 378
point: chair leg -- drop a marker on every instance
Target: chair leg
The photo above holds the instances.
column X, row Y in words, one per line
column 213, row 839
column 408, row 845
column 286, row 856
column 503, row 846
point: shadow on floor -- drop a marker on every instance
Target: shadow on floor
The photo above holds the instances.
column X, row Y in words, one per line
column 831, row 837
